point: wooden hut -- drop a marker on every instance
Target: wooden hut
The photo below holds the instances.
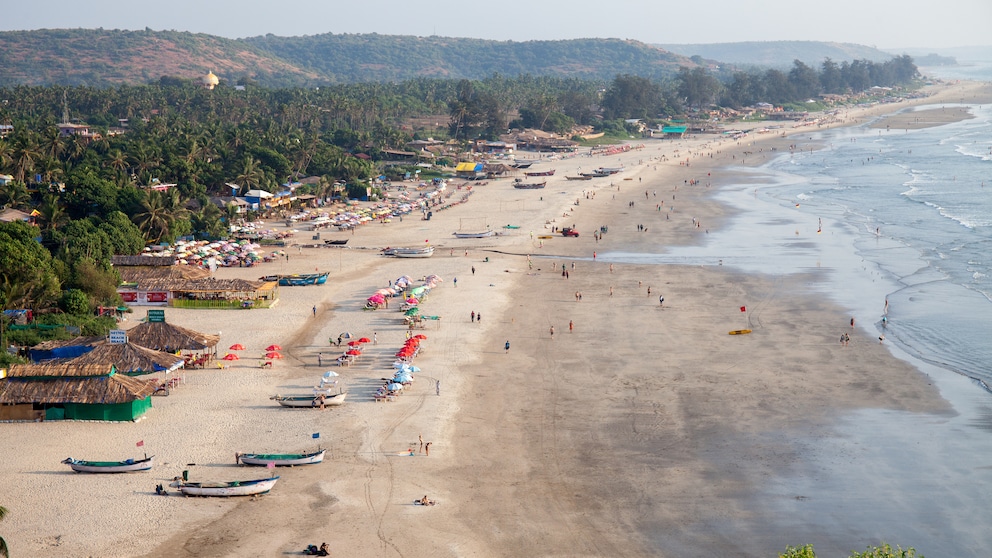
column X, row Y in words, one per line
column 162, row 336
column 130, row 359
column 72, row 392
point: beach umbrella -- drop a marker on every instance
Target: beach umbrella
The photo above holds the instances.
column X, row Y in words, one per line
column 354, row 343
column 345, row 335
column 273, row 354
column 420, row 336
column 364, row 340
column 331, row 374
column 353, row 352
column 231, row 356
column 403, row 378
column 412, row 300
column 394, row 386
column 237, row 347
column 273, row 348
column 412, row 312
column 412, row 368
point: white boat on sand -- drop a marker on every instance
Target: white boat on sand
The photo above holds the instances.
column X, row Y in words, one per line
column 482, row 234
column 281, row 459
column 223, row 489
column 309, row 401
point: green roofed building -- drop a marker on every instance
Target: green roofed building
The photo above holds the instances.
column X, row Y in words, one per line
column 674, row 132
column 72, row 392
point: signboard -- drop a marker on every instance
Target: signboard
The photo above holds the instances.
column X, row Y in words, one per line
column 117, row 337
column 156, row 316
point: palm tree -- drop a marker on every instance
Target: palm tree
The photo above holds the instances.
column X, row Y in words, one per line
column 251, row 175
column 155, row 219
column 52, row 214
column 25, row 154
column 4, row 551
column 15, row 194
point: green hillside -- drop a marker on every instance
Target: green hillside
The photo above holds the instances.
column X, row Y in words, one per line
column 101, row 58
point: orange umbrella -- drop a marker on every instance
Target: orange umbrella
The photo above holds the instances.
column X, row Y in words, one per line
column 273, row 354
column 273, row 348
column 231, row 356
column 237, row 347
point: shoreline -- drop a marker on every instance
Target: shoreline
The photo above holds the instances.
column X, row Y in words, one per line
column 517, row 462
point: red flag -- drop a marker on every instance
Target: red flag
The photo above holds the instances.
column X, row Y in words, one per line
column 743, row 308
column 140, row 443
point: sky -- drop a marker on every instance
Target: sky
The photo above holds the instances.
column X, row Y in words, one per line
column 885, row 24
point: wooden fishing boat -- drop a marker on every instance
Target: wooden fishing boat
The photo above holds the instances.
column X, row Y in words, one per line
column 594, row 174
column 740, row 332
column 610, row 170
column 521, row 185
column 126, row 466
column 336, row 242
column 309, row 401
column 224, row 489
column 422, row 252
column 580, row 177
column 550, row 172
column 522, row 164
column 281, row 459
column 482, row 234
column 297, row 280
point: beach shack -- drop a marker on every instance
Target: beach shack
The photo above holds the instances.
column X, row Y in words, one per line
column 470, row 170
column 71, row 392
column 156, row 334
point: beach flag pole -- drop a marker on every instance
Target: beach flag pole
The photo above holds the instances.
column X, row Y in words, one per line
column 747, row 317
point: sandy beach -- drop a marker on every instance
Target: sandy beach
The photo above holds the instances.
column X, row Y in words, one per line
column 637, row 428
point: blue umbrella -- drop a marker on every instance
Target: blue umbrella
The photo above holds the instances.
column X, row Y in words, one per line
column 394, row 387
column 402, row 378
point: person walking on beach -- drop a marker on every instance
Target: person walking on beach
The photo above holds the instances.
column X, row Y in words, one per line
column 506, row 346
column 473, row 270
column 852, row 322
column 421, row 438
column 427, row 449
column 570, row 326
column 473, row 316
column 314, row 310
column 375, row 338
column 455, row 281
column 320, row 358
column 552, row 333
column 661, row 300
column 478, row 317
column 437, row 388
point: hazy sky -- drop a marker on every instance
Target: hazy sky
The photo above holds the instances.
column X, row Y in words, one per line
column 882, row 23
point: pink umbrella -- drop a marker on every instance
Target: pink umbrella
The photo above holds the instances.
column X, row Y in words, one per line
column 237, row 347
column 273, row 348
column 273, row 354
column 231, row 356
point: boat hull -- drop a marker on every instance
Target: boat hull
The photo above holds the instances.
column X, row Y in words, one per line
column 127, row 466
column 409, row 252
column 475, row 235
column 541, row 173
column 309, row 401
column 227, row 489
column 282, row 460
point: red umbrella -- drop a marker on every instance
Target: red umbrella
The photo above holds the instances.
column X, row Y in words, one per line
column 273, row 348
column 353, row 343
column 364, row 340
column 420, row 336
column 231, row 356
column 237, row 347
column 273, row 354
column 353, row 352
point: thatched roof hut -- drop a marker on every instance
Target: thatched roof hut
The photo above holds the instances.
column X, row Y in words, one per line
column 140, row 274
column 162, row 336
column 70, row 391
column 129, row 358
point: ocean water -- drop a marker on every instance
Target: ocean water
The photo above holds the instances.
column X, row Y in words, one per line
column 898, row 223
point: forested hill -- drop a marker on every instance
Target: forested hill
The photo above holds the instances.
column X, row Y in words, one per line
column 100, row 58
column 372, row 57
column 781, row 54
